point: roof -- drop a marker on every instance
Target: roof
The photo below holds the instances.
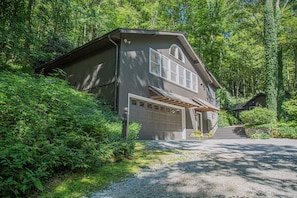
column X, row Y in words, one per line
column 115, row 35
column 175, row 99
column 243, row 106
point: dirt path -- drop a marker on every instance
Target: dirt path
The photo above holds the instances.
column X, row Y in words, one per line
column 216, row 168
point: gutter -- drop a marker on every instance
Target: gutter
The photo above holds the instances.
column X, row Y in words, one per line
column 115, row 104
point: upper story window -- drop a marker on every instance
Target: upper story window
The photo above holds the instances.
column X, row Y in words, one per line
column 168, row 69
column 210, row 93
column 177, row 52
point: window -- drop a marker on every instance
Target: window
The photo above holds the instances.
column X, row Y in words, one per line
column 188, row 79
column 150, row 106
column 134, row 102
column 181, row 75
column 165, row 67
column 177, row 52
column 141, row 104
column 173, row 73
column 194, row 82
column 210, row 92
column 155, row 60
column 168, row 69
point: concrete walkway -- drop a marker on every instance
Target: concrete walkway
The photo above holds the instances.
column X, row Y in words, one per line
column 216, row 168
column 230, row 132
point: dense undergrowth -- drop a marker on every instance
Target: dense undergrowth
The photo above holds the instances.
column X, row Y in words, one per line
column 47, row 127
column 261, row 122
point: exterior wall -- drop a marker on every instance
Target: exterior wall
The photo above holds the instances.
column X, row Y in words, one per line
column 134, row 68
column 135, row 76
column 94, row 73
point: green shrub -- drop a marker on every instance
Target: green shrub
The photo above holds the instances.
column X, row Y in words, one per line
column 290, row 108
column 286, row 132
column 260, row 136
column 46, row 127
column 226, row 119
column 258, row 116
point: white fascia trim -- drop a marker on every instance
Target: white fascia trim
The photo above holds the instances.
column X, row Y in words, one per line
column 152, row 101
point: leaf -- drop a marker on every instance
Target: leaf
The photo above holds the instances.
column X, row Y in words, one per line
column 37, row 183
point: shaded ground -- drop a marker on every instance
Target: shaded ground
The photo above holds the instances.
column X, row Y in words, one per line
column 216, row 168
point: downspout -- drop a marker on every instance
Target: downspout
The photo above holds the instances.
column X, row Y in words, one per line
column 116, row 75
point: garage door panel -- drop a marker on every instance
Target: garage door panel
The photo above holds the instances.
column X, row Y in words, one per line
column 158, row 121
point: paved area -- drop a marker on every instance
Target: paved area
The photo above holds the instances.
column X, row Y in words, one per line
column 216, row 168
column 230, row 132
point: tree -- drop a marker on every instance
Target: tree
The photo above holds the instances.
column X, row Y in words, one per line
column 270, row 39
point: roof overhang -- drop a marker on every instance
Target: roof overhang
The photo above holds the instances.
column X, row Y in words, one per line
column 115, row 35
column 178, row 100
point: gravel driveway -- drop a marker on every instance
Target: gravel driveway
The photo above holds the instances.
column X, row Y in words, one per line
column 216, row 168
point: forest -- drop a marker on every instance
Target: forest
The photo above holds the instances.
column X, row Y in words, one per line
column 47, row 128
column 228, row 35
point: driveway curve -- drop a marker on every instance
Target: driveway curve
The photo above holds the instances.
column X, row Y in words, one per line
column 215, row 168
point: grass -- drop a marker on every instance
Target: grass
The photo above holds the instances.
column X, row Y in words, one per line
column 84, row 183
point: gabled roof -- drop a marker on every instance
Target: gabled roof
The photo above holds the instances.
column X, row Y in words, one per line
column 115, row 35
column 243, row 106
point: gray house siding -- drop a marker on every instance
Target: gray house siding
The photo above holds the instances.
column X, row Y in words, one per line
column 135, row 78
column 134, row 68
column 94, row 73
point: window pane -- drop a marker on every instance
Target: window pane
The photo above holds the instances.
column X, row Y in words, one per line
column 155, row 62
column 180, row 55
column 172, row 50
column 164, row 67
column 211, row 92
column 154, row 68
column 194, row 82
column 173, row 69
column 188, row 79
column 154, row 56
column 181, row 75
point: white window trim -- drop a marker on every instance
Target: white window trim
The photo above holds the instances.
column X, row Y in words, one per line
column 193, row 86
column 176, row 51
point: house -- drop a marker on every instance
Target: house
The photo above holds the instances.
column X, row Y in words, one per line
column 258, row 100
column 156, row 74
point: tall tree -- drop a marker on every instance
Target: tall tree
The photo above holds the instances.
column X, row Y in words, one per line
column 270, row 38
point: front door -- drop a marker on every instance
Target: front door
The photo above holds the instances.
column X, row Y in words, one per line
column 198, row 121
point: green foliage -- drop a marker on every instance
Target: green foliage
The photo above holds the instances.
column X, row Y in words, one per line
column 46, row 127
column 286, row 132
column 225, row 98
column 54, row 47
column 270, row 38
column 258, row 116
column 260, row 136
column 226, row 119
column 290, row 108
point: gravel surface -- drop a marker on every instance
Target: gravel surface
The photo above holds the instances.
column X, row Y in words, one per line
column 215, row 168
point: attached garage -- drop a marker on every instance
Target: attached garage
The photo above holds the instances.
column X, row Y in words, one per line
column 160, row 121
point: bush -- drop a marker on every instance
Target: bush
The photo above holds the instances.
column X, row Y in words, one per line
column 286, row 132
column 258, row 116
column 290, row 108
column 226, row 119
column 260, row 136
column 47, row 127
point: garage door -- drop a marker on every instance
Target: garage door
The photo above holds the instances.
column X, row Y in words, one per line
column 159, row 122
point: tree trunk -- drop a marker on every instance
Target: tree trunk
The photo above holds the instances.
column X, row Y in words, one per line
column 295, row 58
column 281, row 89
